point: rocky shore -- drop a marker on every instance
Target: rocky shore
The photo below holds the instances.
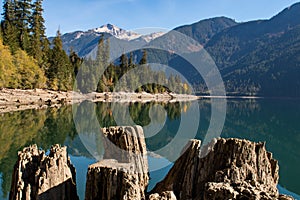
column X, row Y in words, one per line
column 16, row 99
column 224, row 169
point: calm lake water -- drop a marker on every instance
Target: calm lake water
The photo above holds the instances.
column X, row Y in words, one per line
column 275, row 122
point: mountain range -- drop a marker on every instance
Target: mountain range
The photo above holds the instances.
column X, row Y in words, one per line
column 259, row 57
column 83, row 42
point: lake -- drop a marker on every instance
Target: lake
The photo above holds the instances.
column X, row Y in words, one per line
column 167, row 128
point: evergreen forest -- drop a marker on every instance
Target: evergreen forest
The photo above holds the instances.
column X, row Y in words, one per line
column 29, row 60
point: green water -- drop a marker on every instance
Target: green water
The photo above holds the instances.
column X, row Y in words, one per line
column 274, row 121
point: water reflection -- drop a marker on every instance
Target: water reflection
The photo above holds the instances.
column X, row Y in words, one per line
column 56, row 125
column 277, row 123
column 273, row 121
column 22, row 128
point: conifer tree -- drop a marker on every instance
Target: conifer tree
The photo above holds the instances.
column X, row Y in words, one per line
column 130, row 61
column 8, row 10
column 103, row 52
column 144, row 58
column 23, row 13
column 102, row 62
column 60, row 73
column 8, row 26
column 124, row 63
column 37, row 29
column 75, row 60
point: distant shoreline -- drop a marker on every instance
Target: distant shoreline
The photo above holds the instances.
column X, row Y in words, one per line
column 230, row 97
column 249, row 97
column 16, row 99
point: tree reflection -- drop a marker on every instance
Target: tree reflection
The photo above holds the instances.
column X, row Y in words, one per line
column 275, row 122
column 139, row 112
column 22, row 128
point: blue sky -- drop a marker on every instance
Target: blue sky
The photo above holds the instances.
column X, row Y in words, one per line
column 71, row 15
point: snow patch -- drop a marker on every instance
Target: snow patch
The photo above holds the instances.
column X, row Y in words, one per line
column 117, row 32
column 126, row 35
column 78, row 35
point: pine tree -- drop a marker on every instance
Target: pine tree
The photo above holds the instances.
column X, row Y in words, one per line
column 103, row 52
column 46, row 54
column 75, row 60
column 124, row 63
column 37, row 29
column 101, row 64
column 8, row 26
column 144, row 58
column 60, row 73
column 23, row 13
column 8, row 10
column 130, row 61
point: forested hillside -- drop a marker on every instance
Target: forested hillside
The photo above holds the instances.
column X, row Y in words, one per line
column 103, row 76
column 204, row 30
column 254, row 58
column 261, row 57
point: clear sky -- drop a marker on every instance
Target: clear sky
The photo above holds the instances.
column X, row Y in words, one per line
column 71, row 15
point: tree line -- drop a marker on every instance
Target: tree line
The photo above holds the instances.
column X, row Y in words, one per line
column 102, row 75
column 28, row 60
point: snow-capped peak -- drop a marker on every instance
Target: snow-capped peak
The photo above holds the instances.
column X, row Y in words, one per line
column 126, row 35
column 117, row 32
column 109, row 28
